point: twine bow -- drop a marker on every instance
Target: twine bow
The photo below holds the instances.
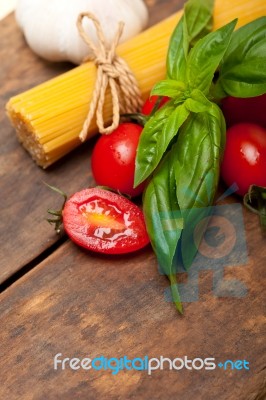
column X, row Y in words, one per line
column 112, row 71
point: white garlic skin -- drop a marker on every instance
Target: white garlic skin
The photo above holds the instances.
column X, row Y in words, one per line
column 50, row 29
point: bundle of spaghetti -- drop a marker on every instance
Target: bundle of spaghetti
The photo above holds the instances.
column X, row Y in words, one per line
column 49, row 117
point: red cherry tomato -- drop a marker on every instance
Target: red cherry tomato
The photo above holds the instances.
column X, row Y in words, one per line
column 105, row 222
column 113, row 159
column 151, row 102
column 244, row 160
column 237, row 110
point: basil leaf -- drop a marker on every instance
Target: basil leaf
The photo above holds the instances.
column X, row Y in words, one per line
column 197, row 102
column 198, row 155
column 161, row 212
column 240, row 41
column 147, row 147
column 177, row 198
column 194, row 24
column 177, row 53
column 198, row 19
column 243, row 71
column 168, row 88
column 205, row 57
column 160, row 208
column 156, row 137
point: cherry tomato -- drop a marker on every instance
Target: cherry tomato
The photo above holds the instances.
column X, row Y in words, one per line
column 237, row 110
column 151, row 102
column 244, row 160
column 113, row 159
column 105, row 222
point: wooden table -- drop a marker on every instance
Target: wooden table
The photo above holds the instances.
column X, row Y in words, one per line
column 56, row 298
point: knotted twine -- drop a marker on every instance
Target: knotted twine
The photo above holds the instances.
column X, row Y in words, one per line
column 112, row 71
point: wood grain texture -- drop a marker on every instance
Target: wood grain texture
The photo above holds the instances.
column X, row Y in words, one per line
column 24, row 233
column 82, row 305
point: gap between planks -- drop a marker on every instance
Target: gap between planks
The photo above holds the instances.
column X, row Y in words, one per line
column 32, row 264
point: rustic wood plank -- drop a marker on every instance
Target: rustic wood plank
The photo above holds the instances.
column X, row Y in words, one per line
column 24, row 232
column 82, row 305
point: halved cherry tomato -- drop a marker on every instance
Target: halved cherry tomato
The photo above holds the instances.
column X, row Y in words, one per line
column 150, row 103
column 105, row 222
column 113, row 159
column 238, row 110
column 244, row 160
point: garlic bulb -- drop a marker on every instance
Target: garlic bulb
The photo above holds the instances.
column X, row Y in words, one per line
column 50, row 27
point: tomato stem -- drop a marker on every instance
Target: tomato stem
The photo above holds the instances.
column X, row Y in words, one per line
column 58, row 214
column 255, row 201
column 139, row 118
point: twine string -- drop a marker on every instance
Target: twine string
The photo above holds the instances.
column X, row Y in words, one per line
column 113, row 72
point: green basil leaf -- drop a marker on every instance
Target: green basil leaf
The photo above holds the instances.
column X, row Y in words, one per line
column 197, row 102
column 198, row 155
column 164, row 228
column 205, row 57
column 242, row 40
column 177, row 53
column 243, row 71
column 194, row 24
column 178, row 197
column 168, row 88
column 147, row 147
column 198, row 19
column 156, row 137
column 196, row 221
column 160, row 208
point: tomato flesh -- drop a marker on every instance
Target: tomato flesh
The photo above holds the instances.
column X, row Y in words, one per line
column 105, row 222
column 113, row 159
column 244, row 160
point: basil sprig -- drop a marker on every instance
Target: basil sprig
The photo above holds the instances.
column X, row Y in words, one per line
column 188, row 96
column 181, row 146
column 242, row 72
column 194, row 24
